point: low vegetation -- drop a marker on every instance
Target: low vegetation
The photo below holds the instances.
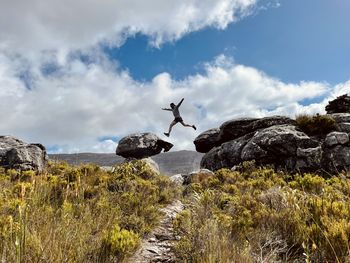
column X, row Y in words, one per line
column 86, row 214
column 316, row 125
column 79, row 214
column 259, row 215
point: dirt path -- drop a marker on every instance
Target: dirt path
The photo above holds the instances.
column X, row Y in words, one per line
column 157, row 246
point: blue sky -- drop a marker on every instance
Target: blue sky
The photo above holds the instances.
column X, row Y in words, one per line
column 299, row 40
column 79, row 75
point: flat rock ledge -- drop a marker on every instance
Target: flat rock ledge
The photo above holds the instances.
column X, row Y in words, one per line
column 157, row 246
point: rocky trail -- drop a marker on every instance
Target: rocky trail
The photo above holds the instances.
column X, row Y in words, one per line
column 157, row 246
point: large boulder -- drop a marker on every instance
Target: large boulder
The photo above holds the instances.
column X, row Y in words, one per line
column 336, row 138
column 274, row 143
column 225, row 156
column 278, row 142
column 277, row 145
column 234, row 129
column 16, row 154
column 336, row 159
column 340, row 105
column 336, row 152
column 342, row 121
column 141, row 145
column 207, row 140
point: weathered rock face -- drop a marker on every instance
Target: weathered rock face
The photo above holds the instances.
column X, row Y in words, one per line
column 340, row 105
column 283, row 147
column 340, row 117
column 207, row 140
column 336, row 138
column 277, row 145
column 234, row 129
column 336, row 152
column 16, row 154
column 226, row 155
column 141, row 145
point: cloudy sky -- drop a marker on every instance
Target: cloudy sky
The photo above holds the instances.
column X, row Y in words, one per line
column 78, row 75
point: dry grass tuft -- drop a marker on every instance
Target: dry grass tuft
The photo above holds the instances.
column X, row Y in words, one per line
column 316, row 125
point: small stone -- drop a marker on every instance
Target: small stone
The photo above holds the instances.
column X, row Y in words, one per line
column 336, row 138
column 344, row 127
column 177, row 178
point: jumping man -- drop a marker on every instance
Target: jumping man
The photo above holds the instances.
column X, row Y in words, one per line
column 176, row 113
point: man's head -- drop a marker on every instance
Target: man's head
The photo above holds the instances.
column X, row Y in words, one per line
column 172, row 105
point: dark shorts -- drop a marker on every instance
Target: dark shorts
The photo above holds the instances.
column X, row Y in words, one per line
column 178, row 119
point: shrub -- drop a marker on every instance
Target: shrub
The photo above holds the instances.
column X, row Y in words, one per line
column 80, row 213
column 258, row 215
column 119, row 243
column 316, row 125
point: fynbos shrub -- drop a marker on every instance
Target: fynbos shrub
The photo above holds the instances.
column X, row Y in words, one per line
column 316, row 125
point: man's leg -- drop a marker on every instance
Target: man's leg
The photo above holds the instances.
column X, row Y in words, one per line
column 188, row 125
column 170, row 127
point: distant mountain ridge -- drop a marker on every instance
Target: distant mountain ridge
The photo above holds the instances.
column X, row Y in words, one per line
column 170, row 163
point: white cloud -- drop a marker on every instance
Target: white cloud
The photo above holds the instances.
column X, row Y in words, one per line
column 85, row 102
column 82, row 102
column 105, row 146
column 37, row 25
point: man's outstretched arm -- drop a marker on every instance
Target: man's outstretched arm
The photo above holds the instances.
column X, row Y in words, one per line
column 178, row 105
column 166, row 109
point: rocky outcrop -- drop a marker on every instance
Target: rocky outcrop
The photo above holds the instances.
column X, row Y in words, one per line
column 340, row 117
column 342, row 121
column 226, row 155
column 207, row 140
column 16, row 154
column 336, row 138
column 279, row 145
column 141, row 145
column 277, row 142
column 340, row 105
column 234, row 129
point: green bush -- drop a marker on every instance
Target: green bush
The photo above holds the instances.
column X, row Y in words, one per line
column 316, row 125
column 121, row 242
column 79, row 213
column 259, row 215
